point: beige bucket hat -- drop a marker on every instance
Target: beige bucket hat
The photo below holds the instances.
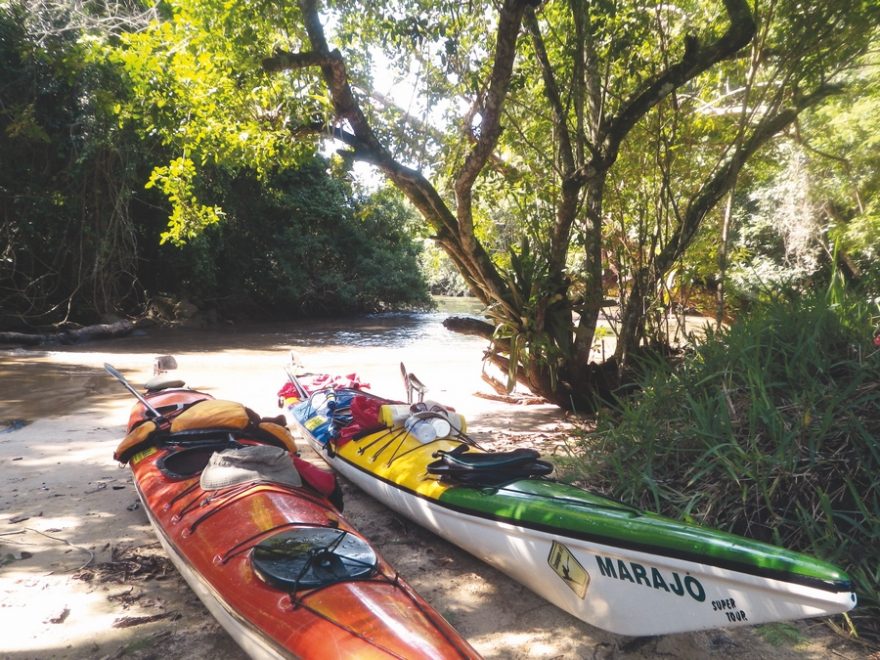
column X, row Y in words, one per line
column 255, row 463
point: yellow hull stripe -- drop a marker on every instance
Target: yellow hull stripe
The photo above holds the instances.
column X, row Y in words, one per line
column 403, row 461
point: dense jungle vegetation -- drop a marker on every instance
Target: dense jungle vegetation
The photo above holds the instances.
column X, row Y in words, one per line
column 84, row 228
column 585, row 168
column 562, row 156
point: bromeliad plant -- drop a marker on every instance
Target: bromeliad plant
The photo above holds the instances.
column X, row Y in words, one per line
column 533, row 328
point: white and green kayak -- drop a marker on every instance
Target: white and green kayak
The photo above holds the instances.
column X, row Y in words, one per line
column 609, row 564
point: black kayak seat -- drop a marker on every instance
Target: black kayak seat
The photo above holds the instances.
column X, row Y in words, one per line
column 461, row 457
column 488, row 469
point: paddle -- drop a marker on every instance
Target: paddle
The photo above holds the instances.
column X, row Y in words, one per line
column 110, row 369
column 303, row 395
column 291, row 374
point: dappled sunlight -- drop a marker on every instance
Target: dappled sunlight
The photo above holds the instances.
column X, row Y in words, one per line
column 69, row 452
column 30, row 622
column 58, row 537
column 536, row 643
column 525, row 418
column 66, row 503
column 500, row 617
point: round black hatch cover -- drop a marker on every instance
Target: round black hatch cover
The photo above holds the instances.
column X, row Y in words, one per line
column 310, row 557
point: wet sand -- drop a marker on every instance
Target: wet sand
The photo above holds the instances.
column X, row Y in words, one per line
column 82, row 575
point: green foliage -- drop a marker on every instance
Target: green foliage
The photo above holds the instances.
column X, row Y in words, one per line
column 769, row 428
column 298, row 244
column 199, row 89
column 542, row 332
column 816, row 194
column 779, row 242
column 188, row 217
column 778, row 235
column 97, row 128
column 442, row 277
column 842, row 143
column 783, row 634
column 66, row 178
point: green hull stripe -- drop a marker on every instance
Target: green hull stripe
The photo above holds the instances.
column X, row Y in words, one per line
column 566, row 511
column 558, row 508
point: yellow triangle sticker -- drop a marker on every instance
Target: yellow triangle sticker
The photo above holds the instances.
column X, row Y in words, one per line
column 567, row 567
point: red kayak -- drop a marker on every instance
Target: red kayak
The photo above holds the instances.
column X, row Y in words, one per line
column 254, row 531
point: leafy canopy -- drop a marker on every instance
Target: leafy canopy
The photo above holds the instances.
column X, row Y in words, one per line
column 200, row 90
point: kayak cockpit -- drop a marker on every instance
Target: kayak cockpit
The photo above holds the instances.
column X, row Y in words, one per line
column 189, row 461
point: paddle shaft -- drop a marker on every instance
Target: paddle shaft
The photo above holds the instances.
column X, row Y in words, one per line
column 303, row 395
column 110, row 369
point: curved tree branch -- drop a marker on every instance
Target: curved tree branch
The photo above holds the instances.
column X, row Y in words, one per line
column 454, row 231
column 702, row 203
column 696, row 59
column 718, row 185
column 284, row 60
column 509, row 23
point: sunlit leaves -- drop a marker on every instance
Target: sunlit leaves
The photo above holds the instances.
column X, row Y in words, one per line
column 200, row 89
column 189, row 217
column 422, row 65
column 420, row 70
column 842, row 143
column 66, row 172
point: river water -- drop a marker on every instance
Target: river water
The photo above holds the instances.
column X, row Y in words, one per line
column 245, row 362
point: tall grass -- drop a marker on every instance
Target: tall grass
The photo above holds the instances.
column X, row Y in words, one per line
column 770, row 429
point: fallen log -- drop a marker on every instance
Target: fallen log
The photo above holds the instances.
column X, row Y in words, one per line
column 518, row 399
column 469, row 326
column 69, row 335
column 21, row 338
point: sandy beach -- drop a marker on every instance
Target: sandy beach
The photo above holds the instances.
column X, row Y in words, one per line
column 82, row 574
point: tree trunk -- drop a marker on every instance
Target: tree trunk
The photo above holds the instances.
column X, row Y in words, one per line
column 722, row 257
column 555, row 362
